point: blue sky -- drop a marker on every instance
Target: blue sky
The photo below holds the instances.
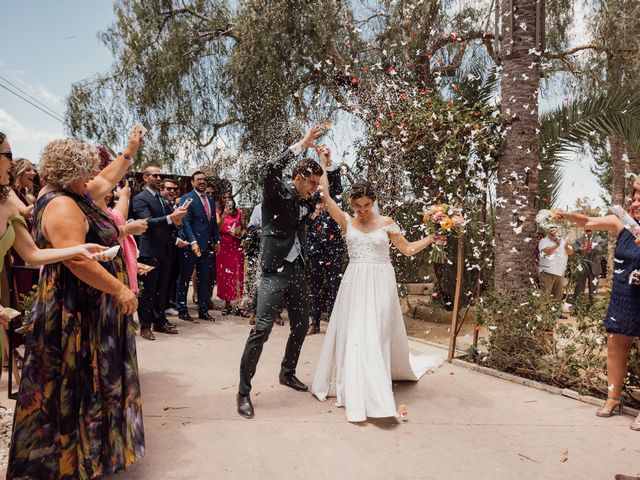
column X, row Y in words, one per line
column 50, row 44
column 46, row 46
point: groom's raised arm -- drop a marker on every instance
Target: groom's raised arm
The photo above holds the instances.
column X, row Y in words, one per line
column 273, row 179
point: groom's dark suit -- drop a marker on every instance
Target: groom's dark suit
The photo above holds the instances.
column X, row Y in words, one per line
column 284, row 216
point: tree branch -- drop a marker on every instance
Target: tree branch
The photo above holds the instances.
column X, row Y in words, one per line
column 188, row 11
column 573, row 51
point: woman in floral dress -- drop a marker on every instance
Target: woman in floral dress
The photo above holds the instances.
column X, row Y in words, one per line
column 78, row 413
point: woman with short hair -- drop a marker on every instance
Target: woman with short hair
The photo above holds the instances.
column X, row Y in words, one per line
column 78, row 412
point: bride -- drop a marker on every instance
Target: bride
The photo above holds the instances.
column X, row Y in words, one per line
column 366, row 345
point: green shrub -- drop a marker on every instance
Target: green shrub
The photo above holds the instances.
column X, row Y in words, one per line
column 528, row 338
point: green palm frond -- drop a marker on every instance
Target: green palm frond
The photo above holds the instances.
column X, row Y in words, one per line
column 569, row 127
column 582, row 122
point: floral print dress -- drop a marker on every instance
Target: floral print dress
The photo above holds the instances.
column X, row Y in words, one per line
column 78, row 414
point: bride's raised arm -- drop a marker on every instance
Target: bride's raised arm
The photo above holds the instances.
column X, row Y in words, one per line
column 332, row 207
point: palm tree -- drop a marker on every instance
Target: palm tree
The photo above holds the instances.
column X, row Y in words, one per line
column 569, row 127
column 517, row 188
column 614, row 114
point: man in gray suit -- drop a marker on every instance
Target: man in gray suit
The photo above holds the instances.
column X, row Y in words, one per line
column 589, row 248
column 286, row 207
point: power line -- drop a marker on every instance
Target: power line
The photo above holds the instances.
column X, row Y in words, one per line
column 31, row 97
column 31, row 103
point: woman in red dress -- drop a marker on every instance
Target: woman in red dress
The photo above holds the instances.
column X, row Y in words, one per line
column 230, row 258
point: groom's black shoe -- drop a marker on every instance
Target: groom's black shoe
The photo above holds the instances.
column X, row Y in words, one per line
column 293, row 382
column 245, row 407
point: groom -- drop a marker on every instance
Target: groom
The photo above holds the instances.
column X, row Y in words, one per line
column 286, row 207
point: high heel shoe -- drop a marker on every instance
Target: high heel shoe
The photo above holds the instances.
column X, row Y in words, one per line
column 635, row 425
column 606, row 413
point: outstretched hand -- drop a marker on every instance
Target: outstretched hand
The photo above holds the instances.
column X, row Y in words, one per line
column 92, row 251
column 135, row 140
column 312, row 135
column 325, row 156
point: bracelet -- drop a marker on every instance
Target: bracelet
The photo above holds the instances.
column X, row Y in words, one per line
column 126, row 157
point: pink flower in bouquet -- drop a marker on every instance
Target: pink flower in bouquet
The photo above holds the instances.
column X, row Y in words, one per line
column 457, row 220
column 438, row 217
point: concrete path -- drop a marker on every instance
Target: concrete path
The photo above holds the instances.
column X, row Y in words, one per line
column 462, row 424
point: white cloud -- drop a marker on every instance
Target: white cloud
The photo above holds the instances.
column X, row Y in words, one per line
column 49, row 98
column 42, row 93
column 26, row 141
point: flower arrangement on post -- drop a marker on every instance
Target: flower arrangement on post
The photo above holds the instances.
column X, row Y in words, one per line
column 442, row 220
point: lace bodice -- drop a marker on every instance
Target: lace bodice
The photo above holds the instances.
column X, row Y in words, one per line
column 372, row 247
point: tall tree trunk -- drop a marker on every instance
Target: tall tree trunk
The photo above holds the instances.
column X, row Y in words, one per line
column 618, row 173
column 517, row 187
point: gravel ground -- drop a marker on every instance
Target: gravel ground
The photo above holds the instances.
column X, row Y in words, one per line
column 6, row 422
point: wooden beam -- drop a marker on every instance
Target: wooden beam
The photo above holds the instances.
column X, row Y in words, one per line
column 456, row 299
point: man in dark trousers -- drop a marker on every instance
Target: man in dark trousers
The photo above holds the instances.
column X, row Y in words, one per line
column 155, row 250
column 285, row 211
column 589, row 249
column 325, row 249
column 200, row 230
column 170, row 191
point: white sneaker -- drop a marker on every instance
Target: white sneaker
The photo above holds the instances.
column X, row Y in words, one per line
column 171, row 311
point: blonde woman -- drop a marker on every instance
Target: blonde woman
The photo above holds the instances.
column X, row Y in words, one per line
column 78, row 412
column 13, row 228
column 622, row 321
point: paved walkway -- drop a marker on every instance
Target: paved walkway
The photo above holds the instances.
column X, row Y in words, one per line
column 462, row 424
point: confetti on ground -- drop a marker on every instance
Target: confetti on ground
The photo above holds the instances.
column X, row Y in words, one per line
column 523, row 456
column 404, row 413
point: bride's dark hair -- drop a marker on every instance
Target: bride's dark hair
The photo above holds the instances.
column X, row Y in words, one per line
column 362, row 188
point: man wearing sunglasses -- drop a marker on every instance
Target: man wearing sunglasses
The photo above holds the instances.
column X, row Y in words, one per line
column 155, row 250
column 170, row 191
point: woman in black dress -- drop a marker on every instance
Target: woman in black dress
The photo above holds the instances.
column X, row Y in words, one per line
column 622, row 322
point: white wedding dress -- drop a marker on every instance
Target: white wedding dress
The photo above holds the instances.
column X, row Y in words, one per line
column 366, row 344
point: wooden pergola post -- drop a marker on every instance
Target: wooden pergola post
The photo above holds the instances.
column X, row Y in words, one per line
column 456, row 299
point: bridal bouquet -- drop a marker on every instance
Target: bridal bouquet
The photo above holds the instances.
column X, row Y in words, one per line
column 443, row 220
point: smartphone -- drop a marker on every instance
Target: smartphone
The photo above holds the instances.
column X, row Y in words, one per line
column 138, row 126
column 186, row 203
column 112, row 252
column 130, row 182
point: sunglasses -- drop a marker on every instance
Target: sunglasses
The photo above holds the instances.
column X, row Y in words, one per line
column 173, row 189
column 155, row 175
column 202, row 179
column 9, row 155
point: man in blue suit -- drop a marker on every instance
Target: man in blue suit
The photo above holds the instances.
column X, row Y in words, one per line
column 200, row 229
